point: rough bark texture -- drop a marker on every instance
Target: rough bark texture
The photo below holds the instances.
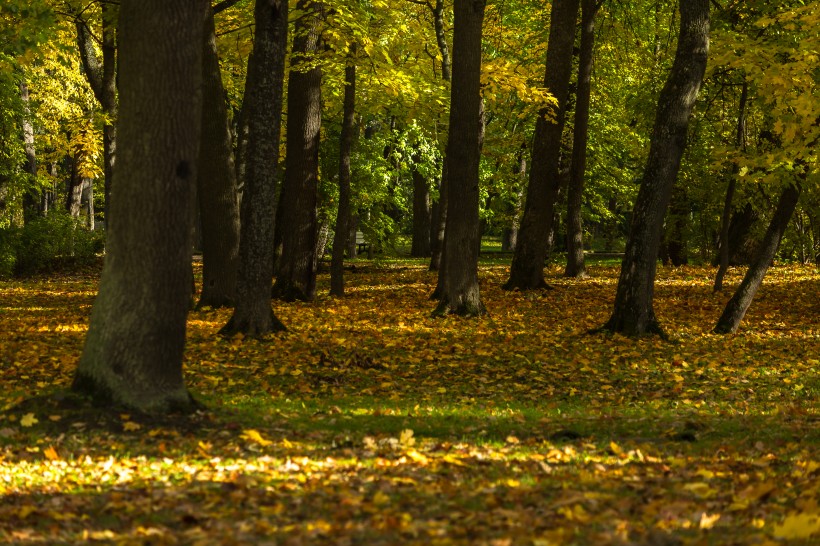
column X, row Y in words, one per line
column 343, row 220
column 527, row 270
column 253, row 314
column 133, row 351
column 745, row 293
column 216, row 185
column 633, row 313
column 463, row 151
column 296, row 272
column 575, row 193
column 723, row 243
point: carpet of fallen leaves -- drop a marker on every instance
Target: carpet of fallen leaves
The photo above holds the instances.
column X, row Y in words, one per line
column 370, row 422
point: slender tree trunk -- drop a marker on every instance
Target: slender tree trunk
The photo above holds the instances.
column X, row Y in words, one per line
column 253, row 315
column 31, row 200
column 296, row 279
column 463, row 150
column 343, row 220
column 723, row 244
column 216, row 188
column 74, row 192
column 133, row 351
column 510, row 237
column 741, row 300
column 634, row 313
column 421, row 216
column 575, row 196
column 527, row 270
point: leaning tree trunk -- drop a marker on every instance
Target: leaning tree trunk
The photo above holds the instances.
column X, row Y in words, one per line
column 216, row 188
column 296, row 272
column 134, row 348
column 745, row 293
column 263, row 103
column 343, row 220
column 740, row 142
column 575, row 195
column 527, row 270
column 633, row 313
column 461, row 295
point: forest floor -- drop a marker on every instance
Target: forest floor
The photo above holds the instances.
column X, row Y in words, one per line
column 369, row 422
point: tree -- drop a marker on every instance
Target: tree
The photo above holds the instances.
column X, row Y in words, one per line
column 461, row 295
column 575, row 229
column 527, row 270
column 216, row 185
column 736, row 308
column 633, row 313
column 133, row 351
column 253, row 315
column 343, row 216
column 296, row 271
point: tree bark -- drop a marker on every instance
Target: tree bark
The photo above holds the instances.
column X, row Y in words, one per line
column 723, row 243
column 421, row 216
column 527, row 270
column 462, row 294
column 134, row 347
column 741, row 300
column 343, row 215
column 575, row 195
column 216, row 185
column 31, row 202
column 253, row 315
column 634, row 313
column 296, row 279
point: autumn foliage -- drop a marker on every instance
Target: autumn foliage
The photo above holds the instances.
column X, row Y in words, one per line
column 370, row 422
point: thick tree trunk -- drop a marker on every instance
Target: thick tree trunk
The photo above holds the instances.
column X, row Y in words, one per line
column 253, row 315
column 463, row 151
column 343, row 220
column 723, row 243
column 421, row 216
column 216, row 188
column 575, row 196
column 745, row 293
column 634, row 313
column 527, row 270
column 296, row 273
column 133, row 351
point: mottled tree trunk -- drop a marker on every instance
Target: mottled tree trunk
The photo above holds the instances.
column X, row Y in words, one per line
column 463, row 151
column 216, row 188
column 296, row 273
column 133, row 351
column 634, row 313
column 527, row 270
column 723, row 243
column 745, row 293
column 421, row 216
column 343, row 216
column 263, row 104
column 575, row 196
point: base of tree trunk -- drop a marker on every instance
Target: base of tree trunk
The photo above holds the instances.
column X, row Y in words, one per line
column 252, row 326
column 616, row 325
column 215, row 301
column 153, row 401
column 463, row 310
column 515, row 284
column 578, row 274
column 288, row 292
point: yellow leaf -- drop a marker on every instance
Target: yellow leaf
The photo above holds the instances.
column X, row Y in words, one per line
column 28, row 420
column 616, row 449
column 130, row 426
column 797, row 526
column 55, row 417
column 380, row 498
column 417, row 457
column 406, row 438
column 254, row 436
column 707, row 521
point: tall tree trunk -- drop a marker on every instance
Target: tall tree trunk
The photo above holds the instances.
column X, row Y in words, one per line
column 463, row 151
column 216, row 185
column 31, row 199
column 296, row 279
column 134, row 348
column 343, row 220
column 723, row 243
column 263, row 103
column 74, row 191
column 745, row 293
column 527, row 270
column 673, row 249
column 421, row 216
column 634, row 313
column 510, row 236
column 575, row 196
